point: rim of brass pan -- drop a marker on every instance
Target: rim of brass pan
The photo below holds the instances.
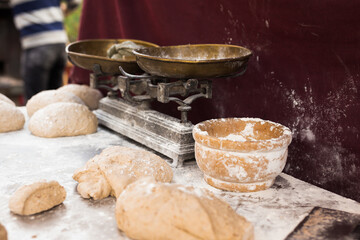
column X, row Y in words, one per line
column 86, row 53
column 193, row 60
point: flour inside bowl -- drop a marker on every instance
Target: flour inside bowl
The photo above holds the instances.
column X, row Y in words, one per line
column 247, row 134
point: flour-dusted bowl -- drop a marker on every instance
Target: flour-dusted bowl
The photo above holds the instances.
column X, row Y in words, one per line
column 241, row 154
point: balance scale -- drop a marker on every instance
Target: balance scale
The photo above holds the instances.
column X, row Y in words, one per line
column 178, row 74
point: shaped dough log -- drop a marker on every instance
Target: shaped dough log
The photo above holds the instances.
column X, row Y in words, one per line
column 88, row 95
column 37, row 197
column 63, row 119
column 115, row 168
column 44, row 98
column 169, row 211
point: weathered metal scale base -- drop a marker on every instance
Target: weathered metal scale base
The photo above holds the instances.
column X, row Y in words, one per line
column 131, row 117
column 153, row 129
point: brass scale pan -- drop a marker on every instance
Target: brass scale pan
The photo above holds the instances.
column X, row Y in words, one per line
column 179, row 62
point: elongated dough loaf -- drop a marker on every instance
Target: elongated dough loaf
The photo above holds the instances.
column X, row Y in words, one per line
column 111, row 171
column 44, row 98
column 37, row 197
column 150, row 210
column 90, row 96
column 63, row 119
column 11, row 118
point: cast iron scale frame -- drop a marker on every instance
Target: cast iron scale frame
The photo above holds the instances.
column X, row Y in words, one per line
column 131, row 116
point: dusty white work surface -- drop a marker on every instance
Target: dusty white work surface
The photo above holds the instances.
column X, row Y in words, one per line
column 25, row 158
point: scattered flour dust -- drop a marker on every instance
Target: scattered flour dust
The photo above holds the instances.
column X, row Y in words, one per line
column 235, row 170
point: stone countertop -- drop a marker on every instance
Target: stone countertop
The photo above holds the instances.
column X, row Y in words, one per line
column 25, row 158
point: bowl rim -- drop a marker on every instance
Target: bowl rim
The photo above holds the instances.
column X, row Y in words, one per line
column 202, row 137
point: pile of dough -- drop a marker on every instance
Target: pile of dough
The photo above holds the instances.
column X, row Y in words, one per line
column 37, row 197
column 150, row 210
column 90, row 96
column 63, row 119
column 120, row 51
column 44, row 98
column 11, row 118
column 3, row 233
column 115, row 167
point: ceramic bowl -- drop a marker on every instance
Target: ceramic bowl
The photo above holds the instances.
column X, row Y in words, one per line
column 241, row 154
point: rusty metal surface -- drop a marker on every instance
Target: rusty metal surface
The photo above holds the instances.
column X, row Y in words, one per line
column 86, row 53
column 194, row 61
column 25, row 158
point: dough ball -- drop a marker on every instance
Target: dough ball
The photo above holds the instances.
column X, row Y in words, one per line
column 44, row 98
column 11, row 118
column 150, row 210
column 37, row 197
column 6, row 99
column 63, row 119
column 90, row 96
column 3, row 233
column 116, row 167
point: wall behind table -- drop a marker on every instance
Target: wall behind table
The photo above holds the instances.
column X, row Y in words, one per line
column 304, row 72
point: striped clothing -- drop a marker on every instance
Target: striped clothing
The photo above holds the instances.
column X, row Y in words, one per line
column 40, row 22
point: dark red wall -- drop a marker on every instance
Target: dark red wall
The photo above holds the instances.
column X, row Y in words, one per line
column 304, row 72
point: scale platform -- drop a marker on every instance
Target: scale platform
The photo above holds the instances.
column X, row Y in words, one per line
column 158, row 131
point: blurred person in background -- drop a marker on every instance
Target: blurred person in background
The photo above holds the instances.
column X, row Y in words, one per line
column 43, row 41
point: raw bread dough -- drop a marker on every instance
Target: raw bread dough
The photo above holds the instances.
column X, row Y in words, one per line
column 44, row 98
column 11, row 118
column 6, row 99
column 120, row 51
column 37, row 197
column 150, row 210
column 3, row 233
column 111, row 171
column 63, row 119
column 90, row 96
